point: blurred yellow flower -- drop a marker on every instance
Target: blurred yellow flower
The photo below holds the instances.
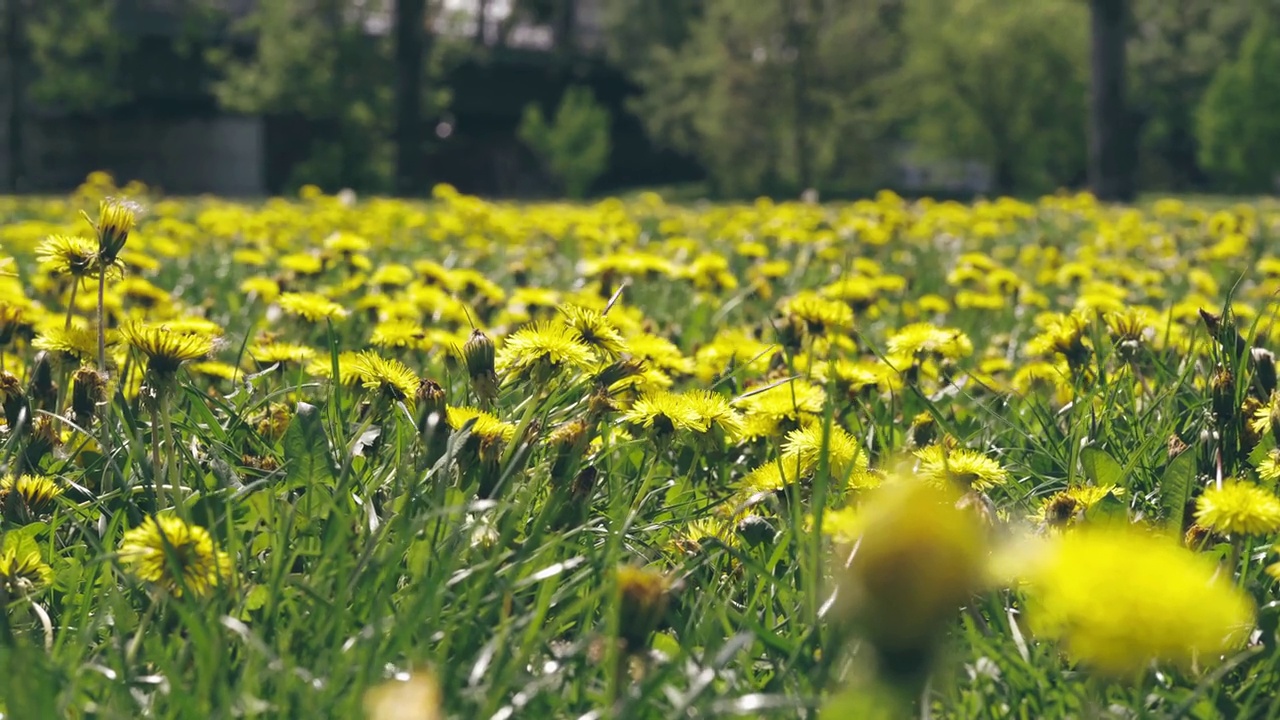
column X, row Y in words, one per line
column 1118, row 599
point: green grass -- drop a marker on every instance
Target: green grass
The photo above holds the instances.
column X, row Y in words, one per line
column 369, row 543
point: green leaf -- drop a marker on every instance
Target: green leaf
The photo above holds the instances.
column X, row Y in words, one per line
column 1175, row 489
column 1262, row 450
column 1110, row 510
column 306, row 450
column 1101, row 468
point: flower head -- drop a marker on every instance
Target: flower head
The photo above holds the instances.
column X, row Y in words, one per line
column 166, row 350
column 390, row 378
column 77, row 344
column 1065, row 508
column 487, row 427
column 968, row 469
column 1239, row 508
column 68, row 255
column 23, row 573
column 664, row 413
column 115, row 219
column 35, row 494
column 1118, row 599
column 594, row 330
column 310, row 306
column 925, row 339
column 544, row 347
column 174, row 555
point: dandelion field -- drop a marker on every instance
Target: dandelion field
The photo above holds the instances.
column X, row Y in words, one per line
column 329, row 457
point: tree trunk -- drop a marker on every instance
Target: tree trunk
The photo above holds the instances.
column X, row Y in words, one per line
column 563, row 25
column 482, row 14
column 798, row 31
column 1110, row 145
column 15, row 61
column 410, row 45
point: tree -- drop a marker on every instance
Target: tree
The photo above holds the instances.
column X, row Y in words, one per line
column 320, row 60
column 1173, row 53
column 575, row 145
column 59, row 54
column 999, row 82
column 410, row 51
column 1110, row 142
column 1239, row 118
column 771, row 96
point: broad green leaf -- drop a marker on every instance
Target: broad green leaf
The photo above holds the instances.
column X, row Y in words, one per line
column 1100, row 468
column 306, row 450
column 1175, row 488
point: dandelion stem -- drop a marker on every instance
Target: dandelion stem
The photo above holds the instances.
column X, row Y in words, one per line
column 102, row 322
column 71, row 303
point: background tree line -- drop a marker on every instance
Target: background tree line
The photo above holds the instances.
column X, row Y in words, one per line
column 769, row 96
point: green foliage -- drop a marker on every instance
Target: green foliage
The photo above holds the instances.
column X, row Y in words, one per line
column 774, row 95
column 575, row 145
column 76, row 52
column 999, row 82
column 317, row 61
column 1174, row 50
column 1239, row 118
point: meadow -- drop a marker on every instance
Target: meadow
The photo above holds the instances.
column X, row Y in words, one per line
column 330, row 456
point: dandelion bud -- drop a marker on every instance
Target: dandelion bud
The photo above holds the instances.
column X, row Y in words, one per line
column 430, row 396
column 42, row 389
column 923, row 431
column 1223, row 390
column 645, row 595
column 617, row 371
column 88, row 391
column 115, row 219
column 1264, row 363
column 11, row 318
column 479, row 354
column 22, row 574
column 14, row 400
column 756, row 531
column 918, row 560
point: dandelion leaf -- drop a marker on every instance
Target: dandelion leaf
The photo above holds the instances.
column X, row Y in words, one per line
column 306, row 450
column 1100, row 468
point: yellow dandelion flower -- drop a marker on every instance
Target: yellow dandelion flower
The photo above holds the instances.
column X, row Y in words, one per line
column 594, row 329
column 714, row 412
column 665, row 412
column 807, row 445
column 270, row 353
column 262, row 287
column 174, row 555
column 166, row 350
column 543, row 347
column 1118, row 599
column 303, row 263
column 487, row 426
column 74, row 343
column 115, row 219
column 68, row 255
column 310, row 306
column 660, row 353
column 23, row 574
column 387, row 377
column 928, row 339
column 1064, row 508
column 967, row 469
column 819, row 314
column 214, row 369
column 36, row 493
column 1239, row 508
column 398, row 334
